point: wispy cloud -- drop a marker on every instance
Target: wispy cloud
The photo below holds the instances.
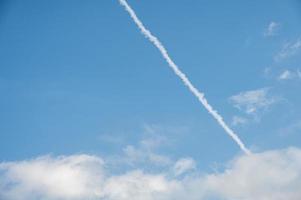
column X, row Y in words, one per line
column 141, row 155
column 289, row 49
column 199, row 95
column 272, row 29
column 268, row 175
column 147, row 150
column 289, row 75
column 183, row 165
column 253, row 101
column 285, row 75
column 238, row 120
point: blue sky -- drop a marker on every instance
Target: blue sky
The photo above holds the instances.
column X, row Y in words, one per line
column 79, row 78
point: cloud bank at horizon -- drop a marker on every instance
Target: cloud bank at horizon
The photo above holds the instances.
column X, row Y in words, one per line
column 268, row 175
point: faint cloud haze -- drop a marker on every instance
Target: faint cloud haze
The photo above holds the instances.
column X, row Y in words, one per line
column 252, row 101
column 272, row 29
column 237, row 120
column 289, row 49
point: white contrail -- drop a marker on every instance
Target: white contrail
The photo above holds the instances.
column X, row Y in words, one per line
column 183, row 77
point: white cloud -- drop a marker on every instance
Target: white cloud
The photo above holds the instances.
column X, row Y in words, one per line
column 272, row 29
column 140, row 155
column 71, row 177
column 252, row 101
column 145, row 151
column 138, row 185
column 285, row 75
column 289, row 49
column 288, row 75
column 183, row 165
column 268, row 175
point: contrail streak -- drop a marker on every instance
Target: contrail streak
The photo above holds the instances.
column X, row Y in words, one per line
column 183, row 77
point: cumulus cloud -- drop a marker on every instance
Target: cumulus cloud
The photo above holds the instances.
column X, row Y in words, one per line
column 272, row 29
column 71, row 177
column 289, row 49
column 252, row 101
column 268, row 175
